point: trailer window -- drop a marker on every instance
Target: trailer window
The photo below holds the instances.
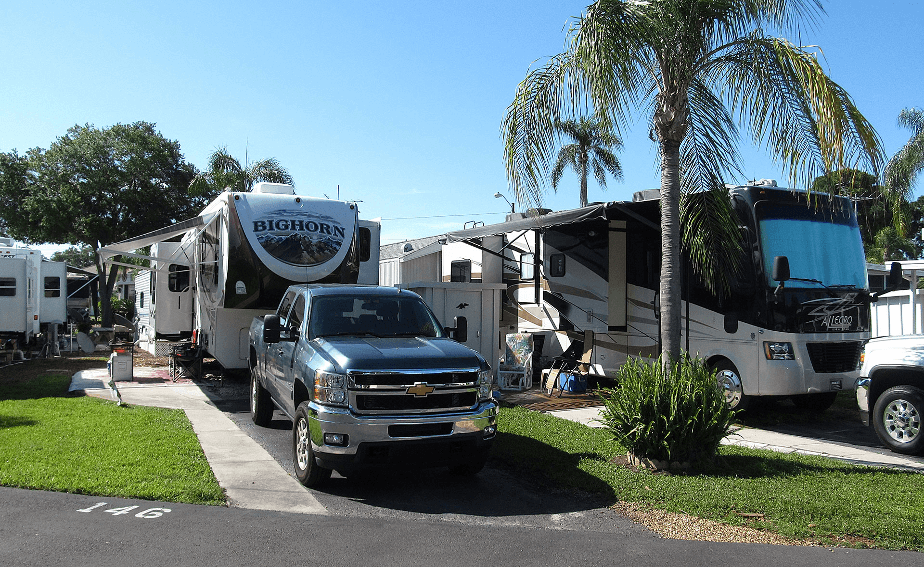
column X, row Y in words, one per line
column 365, row 244
column 460, row 271
column 178, row 280
column 52, row 286
column 7, row 286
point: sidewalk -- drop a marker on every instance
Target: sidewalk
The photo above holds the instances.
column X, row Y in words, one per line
column 783, row 443
column 251, row 478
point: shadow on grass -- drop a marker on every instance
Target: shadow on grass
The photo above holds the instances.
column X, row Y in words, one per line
column 46, row 386
column 14, row 421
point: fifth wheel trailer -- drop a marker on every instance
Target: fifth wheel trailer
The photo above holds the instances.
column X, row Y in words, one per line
column 598, row 268
column 33, row 293
column 242, row 252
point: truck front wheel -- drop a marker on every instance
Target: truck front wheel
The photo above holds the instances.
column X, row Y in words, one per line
column 308, row 473
column 897, row 419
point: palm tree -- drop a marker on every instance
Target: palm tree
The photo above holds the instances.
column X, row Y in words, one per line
column 591, row 144
column 698, row 69
column 903, row 169
column 225, row 172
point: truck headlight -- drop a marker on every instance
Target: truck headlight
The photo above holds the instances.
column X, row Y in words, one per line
column 485, row 380
column 779, row 350
column 330, row 388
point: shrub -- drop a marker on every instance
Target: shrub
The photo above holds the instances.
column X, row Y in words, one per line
column 681, row 417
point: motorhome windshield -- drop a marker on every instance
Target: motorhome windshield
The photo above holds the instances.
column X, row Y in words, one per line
column 821, row 244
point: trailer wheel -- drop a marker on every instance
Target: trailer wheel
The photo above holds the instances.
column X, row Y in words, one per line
column 308, row 473
column 816, row 402
column 730, row 381
column 897, row 419
column 261, row 407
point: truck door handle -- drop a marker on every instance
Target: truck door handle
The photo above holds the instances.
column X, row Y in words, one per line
column 279, row 351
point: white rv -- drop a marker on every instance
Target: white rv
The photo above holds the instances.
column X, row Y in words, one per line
column 212, row 274
column 33, row 293
column 597, row 268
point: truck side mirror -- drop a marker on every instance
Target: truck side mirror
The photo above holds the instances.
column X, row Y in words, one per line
column 271, row 328
column 459, row 331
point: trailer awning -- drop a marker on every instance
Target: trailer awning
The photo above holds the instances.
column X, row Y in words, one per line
column 129, row 246
column 591, row 212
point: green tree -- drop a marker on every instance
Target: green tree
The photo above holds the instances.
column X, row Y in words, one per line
column 225, row 172
column 79, row 257
column 94, row 187
column 591, row 145
column 902, row 171
column 696, row 66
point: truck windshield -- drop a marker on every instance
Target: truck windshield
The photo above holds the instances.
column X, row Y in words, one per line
column 822, row 244
column 385, row 316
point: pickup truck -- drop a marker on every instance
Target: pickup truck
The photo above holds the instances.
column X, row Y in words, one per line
column 890, row 391
column 369, row 377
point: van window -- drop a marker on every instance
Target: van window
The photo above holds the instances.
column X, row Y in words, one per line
column 7, row 286
column 52, row 286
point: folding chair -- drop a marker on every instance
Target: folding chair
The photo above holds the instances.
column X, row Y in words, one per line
column 515, row 370
column 576, row 360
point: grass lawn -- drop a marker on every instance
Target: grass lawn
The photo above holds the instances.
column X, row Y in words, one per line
column 803, row 497
column 83, row 445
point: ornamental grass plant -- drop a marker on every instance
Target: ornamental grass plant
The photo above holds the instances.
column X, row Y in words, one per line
column 677, row 417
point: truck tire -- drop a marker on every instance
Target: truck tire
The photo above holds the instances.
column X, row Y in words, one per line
column 307, row 471
column 730, row 381
column 261, row 407
column 816, row 402
column 896, row 419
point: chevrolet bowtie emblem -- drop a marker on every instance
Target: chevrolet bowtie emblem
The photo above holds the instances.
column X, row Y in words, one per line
column 420, row 389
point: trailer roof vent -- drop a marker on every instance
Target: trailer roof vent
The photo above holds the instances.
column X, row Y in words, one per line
column 764, row 183
column 279, row 188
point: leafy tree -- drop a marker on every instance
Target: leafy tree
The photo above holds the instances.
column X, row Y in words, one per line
column 225, row 172
column 591, row 146
column 694, row 66
column 902, row 170
column 95, row 187
column 78, row 257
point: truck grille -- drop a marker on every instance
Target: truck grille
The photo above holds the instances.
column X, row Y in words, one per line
column 839, row 357
column 387, row 393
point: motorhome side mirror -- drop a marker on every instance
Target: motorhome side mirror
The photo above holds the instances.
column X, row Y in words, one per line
column 780, row 269
column 271, row 328
column 895, row 277
column 459, row 331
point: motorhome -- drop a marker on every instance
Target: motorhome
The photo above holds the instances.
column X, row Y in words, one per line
column 211, row 275
column 33, row 294
column 597, row 268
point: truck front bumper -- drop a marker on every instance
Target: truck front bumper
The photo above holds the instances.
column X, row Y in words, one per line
column 342, row 440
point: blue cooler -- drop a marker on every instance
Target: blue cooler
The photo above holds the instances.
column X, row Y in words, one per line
column 572, row 383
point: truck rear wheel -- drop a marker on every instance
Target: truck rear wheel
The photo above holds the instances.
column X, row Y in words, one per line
column 261, row 407
column 897, row 419
column 307, row 471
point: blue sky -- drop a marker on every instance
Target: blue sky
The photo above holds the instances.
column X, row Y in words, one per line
column 397, row 103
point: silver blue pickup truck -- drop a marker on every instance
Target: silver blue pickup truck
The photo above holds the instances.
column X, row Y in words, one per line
column 369, row 377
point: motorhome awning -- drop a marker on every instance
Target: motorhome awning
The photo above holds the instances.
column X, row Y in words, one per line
column 557, row 218
column 133, row 244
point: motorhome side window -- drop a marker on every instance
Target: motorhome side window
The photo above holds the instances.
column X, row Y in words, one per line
column 365, row 244
column 461, row 271
column 7, row 286
column 527, row 266
column 178, row 280
column 52, row 287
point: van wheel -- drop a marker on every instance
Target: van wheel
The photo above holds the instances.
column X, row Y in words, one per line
column 815, row 402
column 897, row 419
column 308, row 473
column 730, row 381
column 261, row 407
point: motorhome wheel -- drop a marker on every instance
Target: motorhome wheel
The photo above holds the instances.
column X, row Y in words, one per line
column 730, row 381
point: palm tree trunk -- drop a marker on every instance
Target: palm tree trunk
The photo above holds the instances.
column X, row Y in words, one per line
column 670, row 299
column 583, row 161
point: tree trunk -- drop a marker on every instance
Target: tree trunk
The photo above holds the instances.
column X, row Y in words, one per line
column 583, row 163
column 670, row 293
